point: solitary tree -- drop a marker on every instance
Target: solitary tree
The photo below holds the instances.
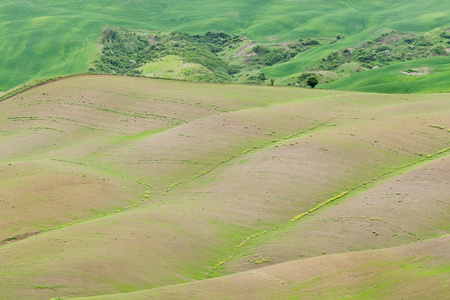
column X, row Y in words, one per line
column 312, row 81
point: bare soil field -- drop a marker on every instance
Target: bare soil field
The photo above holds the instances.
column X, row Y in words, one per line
column 113, row 185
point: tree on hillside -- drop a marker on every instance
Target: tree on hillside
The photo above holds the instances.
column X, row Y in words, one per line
column 312, row 81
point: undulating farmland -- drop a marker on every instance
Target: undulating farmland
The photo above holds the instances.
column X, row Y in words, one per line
column 111, row 185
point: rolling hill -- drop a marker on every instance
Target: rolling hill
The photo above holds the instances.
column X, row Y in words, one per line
column 411, row 271
column 113, row 185
column 52, row 38
column 431, row 76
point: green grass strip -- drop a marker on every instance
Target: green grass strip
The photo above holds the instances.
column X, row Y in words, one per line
column 328, row 201
column 254, row 148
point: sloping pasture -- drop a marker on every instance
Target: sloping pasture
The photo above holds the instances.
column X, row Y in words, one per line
column 112, row 185
column 412, row 271
column 51, row 38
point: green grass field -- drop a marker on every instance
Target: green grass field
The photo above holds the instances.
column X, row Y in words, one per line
column 392, row 79
column 112, row 185
column 51, row 38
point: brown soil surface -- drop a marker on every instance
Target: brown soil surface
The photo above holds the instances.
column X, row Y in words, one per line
column 244, row 50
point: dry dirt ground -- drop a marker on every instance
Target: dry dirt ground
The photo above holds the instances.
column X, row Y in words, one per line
column 136, row 184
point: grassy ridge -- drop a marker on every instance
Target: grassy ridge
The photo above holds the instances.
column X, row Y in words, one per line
column 51, row 38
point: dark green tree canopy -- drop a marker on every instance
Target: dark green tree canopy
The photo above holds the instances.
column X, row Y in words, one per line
column 312, row 81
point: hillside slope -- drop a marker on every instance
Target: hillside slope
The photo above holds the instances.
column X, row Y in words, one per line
column 412, row 271
column 50, row 38
column 430, row 75
column 116, row 184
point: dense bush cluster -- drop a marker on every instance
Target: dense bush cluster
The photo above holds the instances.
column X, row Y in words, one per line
column 274, row 54
column 122, row 50
column 125, row 50
column 389, row 48
column 233, row 58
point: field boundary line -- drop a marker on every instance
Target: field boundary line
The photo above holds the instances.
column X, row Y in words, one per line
column 252, row 149
column 375, row 179
column 19, row 237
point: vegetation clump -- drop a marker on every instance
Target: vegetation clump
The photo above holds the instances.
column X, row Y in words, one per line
column 212, row 57
column 269, row 55
column 312, row 81
column 229, row 58
column 125, row 50
column 389, row 48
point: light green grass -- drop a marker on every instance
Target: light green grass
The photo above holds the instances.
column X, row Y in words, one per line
column 173, row 67
column 390, row 79
column 51, row 38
